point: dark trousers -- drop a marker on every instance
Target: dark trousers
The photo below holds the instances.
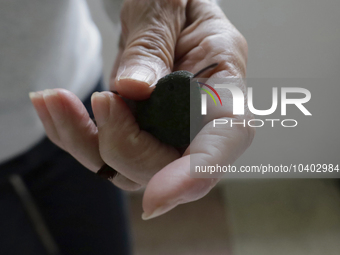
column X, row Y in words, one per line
column 80, row 212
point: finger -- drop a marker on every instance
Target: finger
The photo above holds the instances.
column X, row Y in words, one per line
column 77, row 133
column 45, row 117
column 123, row 146
column 210, row 38
column 38, row 101
column 116, row 65
column 150, row 30
column 200, row 15
column 173, row 185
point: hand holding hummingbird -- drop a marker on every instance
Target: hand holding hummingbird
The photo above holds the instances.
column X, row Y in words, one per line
column 158, row 37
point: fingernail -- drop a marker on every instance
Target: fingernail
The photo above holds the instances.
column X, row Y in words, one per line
column 139, row 73
column 50, row 92
column 36, row 94
column 101, row 107
column 159, row 211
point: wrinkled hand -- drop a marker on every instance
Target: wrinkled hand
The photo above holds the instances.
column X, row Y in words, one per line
column 158, row 37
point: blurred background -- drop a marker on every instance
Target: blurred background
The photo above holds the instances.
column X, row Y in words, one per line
column 287, row 39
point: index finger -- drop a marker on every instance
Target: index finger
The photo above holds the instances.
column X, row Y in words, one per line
column 132, row 152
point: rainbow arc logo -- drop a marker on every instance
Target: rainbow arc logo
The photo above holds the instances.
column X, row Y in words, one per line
column 209, row 93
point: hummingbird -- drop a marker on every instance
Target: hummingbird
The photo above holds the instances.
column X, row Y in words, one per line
column 172, row 112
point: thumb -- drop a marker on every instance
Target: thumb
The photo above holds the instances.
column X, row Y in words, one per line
column 150, row 29
column 173, row 186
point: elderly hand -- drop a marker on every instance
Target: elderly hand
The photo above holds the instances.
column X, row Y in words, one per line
column 158, row 37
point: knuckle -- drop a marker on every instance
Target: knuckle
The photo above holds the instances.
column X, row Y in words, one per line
column 229, row 50
column 124, row 147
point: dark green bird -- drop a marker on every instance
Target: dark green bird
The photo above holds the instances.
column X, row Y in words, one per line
column 172, row 109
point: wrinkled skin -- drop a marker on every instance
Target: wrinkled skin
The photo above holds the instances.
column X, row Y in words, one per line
column 158, row 37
